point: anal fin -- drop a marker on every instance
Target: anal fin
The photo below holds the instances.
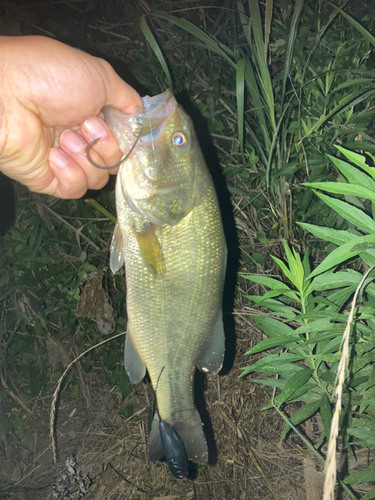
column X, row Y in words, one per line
column 155, row 447
column 213, row 358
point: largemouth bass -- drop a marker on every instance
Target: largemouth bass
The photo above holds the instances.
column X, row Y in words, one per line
column 170, row 236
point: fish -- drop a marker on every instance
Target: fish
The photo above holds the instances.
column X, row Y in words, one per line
column 169, row 235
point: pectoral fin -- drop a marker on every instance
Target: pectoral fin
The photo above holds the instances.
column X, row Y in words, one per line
column 212, row 360
column 150, row 249
column 117, row 256
column 134, row 366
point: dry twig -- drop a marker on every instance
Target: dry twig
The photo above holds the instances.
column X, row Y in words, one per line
column 331, row 468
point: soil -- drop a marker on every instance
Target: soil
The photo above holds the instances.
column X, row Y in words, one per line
column 246, row 460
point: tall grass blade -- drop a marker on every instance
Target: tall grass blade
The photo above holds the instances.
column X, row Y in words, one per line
column 262, row 66
column 291, row 41
column 207, row 40
column 267, row 26
column 102, row 209
column 240, row 91
column 246, row 26
column 366, row 34
column 253, row 89
column 155, row 47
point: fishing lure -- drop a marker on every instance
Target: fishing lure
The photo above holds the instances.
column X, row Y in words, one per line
column 173, row 447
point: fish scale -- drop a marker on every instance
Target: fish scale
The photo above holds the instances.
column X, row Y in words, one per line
column 174, row 309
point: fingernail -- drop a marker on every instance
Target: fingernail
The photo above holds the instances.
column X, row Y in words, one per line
column 58, row 158
column 139, row 110
column 95, row 128
column 72, row 141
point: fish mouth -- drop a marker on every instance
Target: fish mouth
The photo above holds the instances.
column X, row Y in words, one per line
column 150, row 126
column 159, row 110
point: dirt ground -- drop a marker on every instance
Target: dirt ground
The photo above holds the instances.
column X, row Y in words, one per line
column 110, row 453
column 107, row 454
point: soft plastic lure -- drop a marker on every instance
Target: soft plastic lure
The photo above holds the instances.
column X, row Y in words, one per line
column 173, row 447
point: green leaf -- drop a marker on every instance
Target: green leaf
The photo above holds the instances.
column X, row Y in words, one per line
column 86, row 368
column 127, row 411
column 271, row 382
column 125, row 384
column 273, row 328
column 347, row 102
column 353, row 174
column 54, row 271
column 370, row 495
column 336, row 280
column 102, row 210
column 6, row 425
column 315, row 326
column 261, row 58
column 276, row 293
column 266, row 281
column 292, row 34
column 301, row 415
column 366, row 34
column 295, row 266
column 277, row 364
column 357, row 159
column 335, row 236
column 363, row 476
column 326, row 414
column 110, row 361
column 208, row 41
column 349, row 212
column 240, row 94
column 285, row 270
column 343, row 253
column 155, row 47
column 37, row 380
column 343, row 188
column 275, row 305
column 271, row 343
column 74, row 391
column 293, row 384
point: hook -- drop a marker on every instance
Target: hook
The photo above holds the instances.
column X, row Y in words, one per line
column 139, row 122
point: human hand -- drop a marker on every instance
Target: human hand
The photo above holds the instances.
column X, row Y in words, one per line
column 50, row 96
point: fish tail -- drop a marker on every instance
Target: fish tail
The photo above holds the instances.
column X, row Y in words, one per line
column 189, row 428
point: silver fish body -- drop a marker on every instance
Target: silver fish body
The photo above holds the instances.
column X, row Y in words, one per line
column 171, row 238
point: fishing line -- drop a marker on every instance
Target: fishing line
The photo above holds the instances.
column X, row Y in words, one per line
column 140, row 123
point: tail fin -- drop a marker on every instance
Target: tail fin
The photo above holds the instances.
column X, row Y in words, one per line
column 188, row 426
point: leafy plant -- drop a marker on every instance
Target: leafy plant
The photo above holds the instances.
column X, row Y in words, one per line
column 309, row 313
column 295, row 87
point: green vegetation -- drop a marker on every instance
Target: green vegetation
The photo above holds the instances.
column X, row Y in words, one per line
column 308, row 319
column 45, row 264
column 286, row 90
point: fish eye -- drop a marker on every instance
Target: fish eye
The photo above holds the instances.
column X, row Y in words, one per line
column 179, row 139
